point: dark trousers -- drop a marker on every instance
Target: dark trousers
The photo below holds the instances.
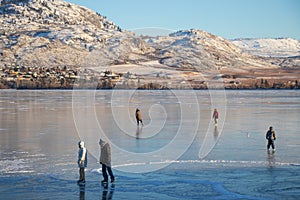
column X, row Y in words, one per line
column 270, row 143
column 104, row 173
column 81, row 174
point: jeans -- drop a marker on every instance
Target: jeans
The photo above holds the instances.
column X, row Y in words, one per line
column 81, row 174
column 104, row 173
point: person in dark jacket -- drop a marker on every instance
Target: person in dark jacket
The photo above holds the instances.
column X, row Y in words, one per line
column 271, row 137
column 138, row 117
column 105, row 161
column 82, row 161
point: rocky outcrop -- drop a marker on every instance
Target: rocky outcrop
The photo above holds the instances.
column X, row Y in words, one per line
column 55, row 33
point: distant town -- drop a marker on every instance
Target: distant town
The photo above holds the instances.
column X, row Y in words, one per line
column 84, row 78
column 55, row 78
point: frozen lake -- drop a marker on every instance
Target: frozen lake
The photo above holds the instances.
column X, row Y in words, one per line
column 178, row 154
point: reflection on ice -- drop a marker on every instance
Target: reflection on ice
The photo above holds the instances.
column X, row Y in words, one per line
column 216, row 133
column 271, row 158
column 81, row 192
column 107, row 191
column 139, row 130
column 39, row 138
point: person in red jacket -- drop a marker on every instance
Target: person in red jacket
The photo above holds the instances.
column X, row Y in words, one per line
column 215, row 116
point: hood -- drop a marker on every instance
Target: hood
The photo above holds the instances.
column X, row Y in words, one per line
column 102, row 142
column 81, row 144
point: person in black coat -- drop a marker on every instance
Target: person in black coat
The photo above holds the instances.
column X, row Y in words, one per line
column 271, row 137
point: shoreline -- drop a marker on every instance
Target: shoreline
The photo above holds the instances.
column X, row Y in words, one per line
column 36, row 85
column 145, row 78
column 110, row 89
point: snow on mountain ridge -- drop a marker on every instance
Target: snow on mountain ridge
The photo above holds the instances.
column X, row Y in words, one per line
column 54, row 32
column 199, row 50
column 278, row 47
column 64, row 33
column 56, row 12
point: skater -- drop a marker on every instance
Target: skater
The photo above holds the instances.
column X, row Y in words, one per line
column 215, row 116
column 138, row 117
column 270, row 136
column 82, row 161
column 105, row 161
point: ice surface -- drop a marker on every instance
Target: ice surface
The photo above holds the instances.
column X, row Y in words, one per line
column 40, row 130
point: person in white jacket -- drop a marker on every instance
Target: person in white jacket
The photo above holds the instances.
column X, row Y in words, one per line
column 82, row 161
column 105, row 161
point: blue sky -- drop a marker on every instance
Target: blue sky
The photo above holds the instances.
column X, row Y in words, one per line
column 226, row 18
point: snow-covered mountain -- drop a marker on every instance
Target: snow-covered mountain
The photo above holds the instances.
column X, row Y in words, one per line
column 56, row 33
column 279, row 47
column 50, row 33
column 199, row 50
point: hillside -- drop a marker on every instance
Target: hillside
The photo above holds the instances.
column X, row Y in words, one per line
column 270, row 47
column 201, row 51
column 284, row 52
column 56, row 33
column 52, row 44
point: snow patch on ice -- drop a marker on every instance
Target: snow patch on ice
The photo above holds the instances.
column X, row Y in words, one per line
column 210, row 162
column 14, row 166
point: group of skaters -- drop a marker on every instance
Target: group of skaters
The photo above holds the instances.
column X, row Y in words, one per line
column 105, row 155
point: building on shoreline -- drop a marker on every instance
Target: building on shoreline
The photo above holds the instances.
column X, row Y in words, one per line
column 67, row 77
